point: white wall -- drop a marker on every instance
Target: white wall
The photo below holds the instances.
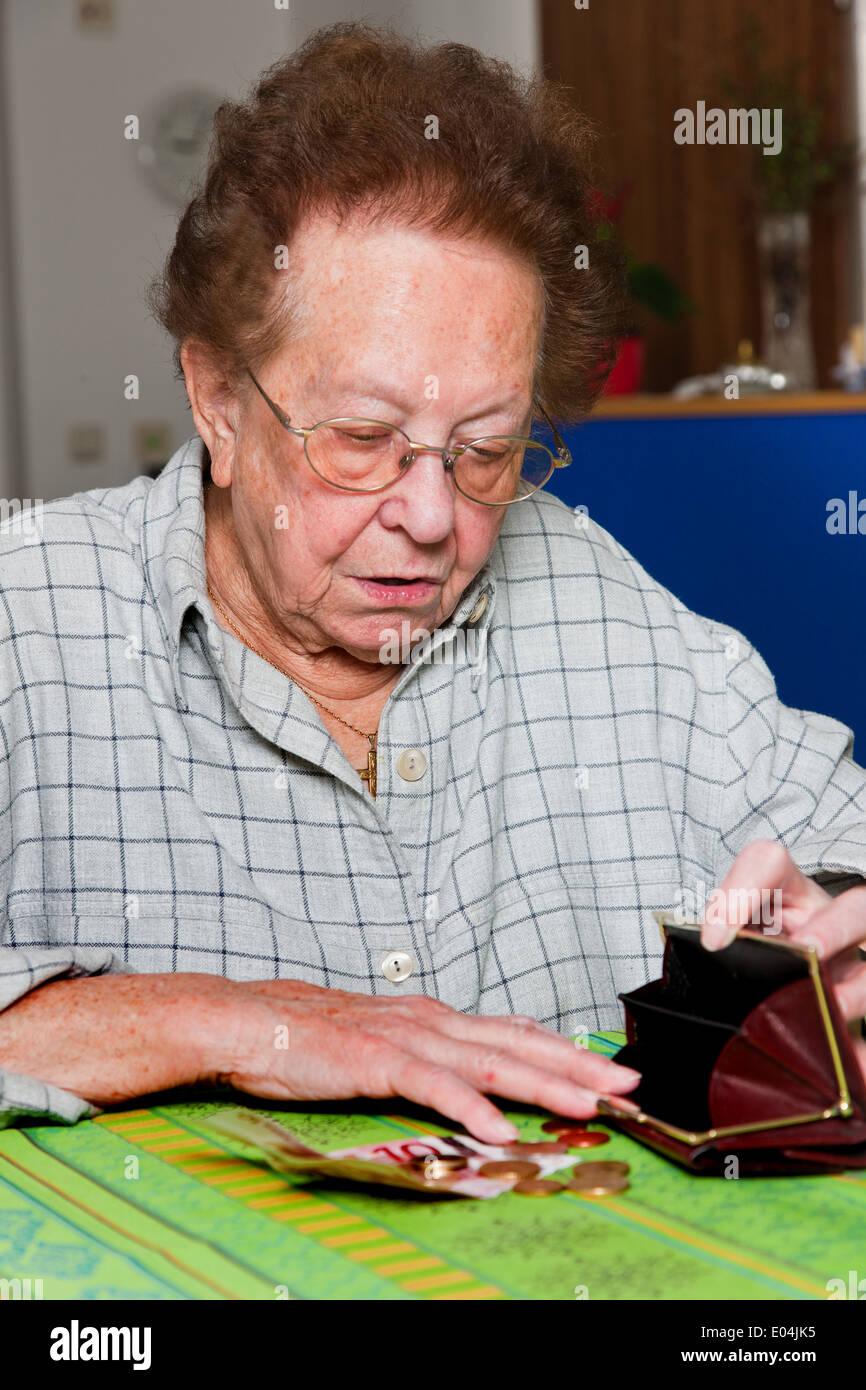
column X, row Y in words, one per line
column 507, row 29
column 88, row 232
column 11, row 463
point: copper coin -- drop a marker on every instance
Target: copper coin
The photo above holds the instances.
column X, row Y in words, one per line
column 445, row 1161
column 584, row 1138
column 598, row 1187
column 606, row 1168
column 529, row 1146
column 509, row 1170
column 434, row 1167
column 438, row 1180
column 538, row 1187
column 559, row 1126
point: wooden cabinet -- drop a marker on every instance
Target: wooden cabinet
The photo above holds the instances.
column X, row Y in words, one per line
column 632, row 64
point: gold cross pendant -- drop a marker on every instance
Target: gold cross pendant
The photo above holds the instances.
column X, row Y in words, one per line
column 368, row 774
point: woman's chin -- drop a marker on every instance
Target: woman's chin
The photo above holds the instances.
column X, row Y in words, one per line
column 386, row 639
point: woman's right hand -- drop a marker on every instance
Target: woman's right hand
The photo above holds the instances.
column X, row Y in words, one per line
column 287, row 1040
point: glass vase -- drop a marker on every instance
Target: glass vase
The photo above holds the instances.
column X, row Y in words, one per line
column 786, row 319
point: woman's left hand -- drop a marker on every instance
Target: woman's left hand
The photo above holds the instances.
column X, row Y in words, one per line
column 764, row 874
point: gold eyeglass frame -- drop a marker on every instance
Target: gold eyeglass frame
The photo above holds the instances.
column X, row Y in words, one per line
column 561, row 459
column 842, row 1109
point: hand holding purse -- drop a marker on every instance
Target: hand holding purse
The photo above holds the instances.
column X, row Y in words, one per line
column 743, row 1054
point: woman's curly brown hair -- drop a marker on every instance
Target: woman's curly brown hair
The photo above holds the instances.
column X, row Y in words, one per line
column 341, row 126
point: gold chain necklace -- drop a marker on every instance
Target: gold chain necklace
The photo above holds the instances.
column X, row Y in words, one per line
column 368, row 773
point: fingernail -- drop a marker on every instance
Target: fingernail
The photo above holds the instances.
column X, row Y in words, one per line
column 620, row 1102
column 504, row 1132
column 717, row 940
column 628, row 1074
column 813, row 942
column 628, row 1104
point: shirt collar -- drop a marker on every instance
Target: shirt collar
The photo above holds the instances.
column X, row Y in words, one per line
column 173, row 530
column 173, row 546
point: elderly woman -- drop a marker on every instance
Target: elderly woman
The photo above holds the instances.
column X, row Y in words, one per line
column 244, row 842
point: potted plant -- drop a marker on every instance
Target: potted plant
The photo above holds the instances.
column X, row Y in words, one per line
column 649, row 286
column 782, row 188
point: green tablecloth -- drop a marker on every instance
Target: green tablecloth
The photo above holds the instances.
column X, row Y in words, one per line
column 192, row 1219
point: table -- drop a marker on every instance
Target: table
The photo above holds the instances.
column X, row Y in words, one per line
column 145, row 1203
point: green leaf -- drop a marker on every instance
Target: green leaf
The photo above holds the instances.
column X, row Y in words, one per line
column 652, row 287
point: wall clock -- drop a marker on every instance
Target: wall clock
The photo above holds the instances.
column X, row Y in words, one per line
column 175, row 139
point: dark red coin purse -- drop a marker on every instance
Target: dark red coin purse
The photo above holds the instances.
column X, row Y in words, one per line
column 743, row 1054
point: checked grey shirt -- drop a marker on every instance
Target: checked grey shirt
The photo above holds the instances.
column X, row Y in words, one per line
column 563, row 758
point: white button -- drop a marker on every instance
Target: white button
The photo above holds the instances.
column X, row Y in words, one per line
column 411, row 764
column 477, row 609
column 397, row 966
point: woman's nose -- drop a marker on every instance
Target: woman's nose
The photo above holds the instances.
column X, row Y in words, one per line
column 423, row 500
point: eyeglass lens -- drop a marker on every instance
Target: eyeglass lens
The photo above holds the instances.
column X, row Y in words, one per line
column 366, row 455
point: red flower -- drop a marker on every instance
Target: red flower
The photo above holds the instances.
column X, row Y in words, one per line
column 609, row 207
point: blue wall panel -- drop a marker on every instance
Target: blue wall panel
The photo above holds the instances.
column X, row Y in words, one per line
column 731, row 515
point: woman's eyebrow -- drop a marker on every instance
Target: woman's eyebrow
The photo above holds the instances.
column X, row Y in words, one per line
column 514, row 404
column 394, row 397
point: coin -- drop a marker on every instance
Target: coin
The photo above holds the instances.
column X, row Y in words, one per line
column 529, row 1146
column 509, row 1170
column 538, row 1187
column 444, row 1161
column 598, row 1187
column 559, row 1126
column 584, row 1138
column 435, row 1165
column 600, row 1170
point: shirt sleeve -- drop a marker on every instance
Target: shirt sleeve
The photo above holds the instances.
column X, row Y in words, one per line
column 789, row 776
column 22, row 969
column 25, row 968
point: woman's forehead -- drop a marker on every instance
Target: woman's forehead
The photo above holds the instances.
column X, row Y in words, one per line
column 405, row 304
column 361, row 263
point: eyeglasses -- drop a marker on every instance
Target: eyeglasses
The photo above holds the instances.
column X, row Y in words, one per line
column 361, row 455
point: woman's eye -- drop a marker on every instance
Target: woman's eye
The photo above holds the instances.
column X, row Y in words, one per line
column 371, row 438
column 487, row 455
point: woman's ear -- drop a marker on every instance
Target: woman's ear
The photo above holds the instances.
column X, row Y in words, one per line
column 214, row 407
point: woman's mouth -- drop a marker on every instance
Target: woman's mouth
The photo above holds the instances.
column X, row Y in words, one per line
column 394, row 589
